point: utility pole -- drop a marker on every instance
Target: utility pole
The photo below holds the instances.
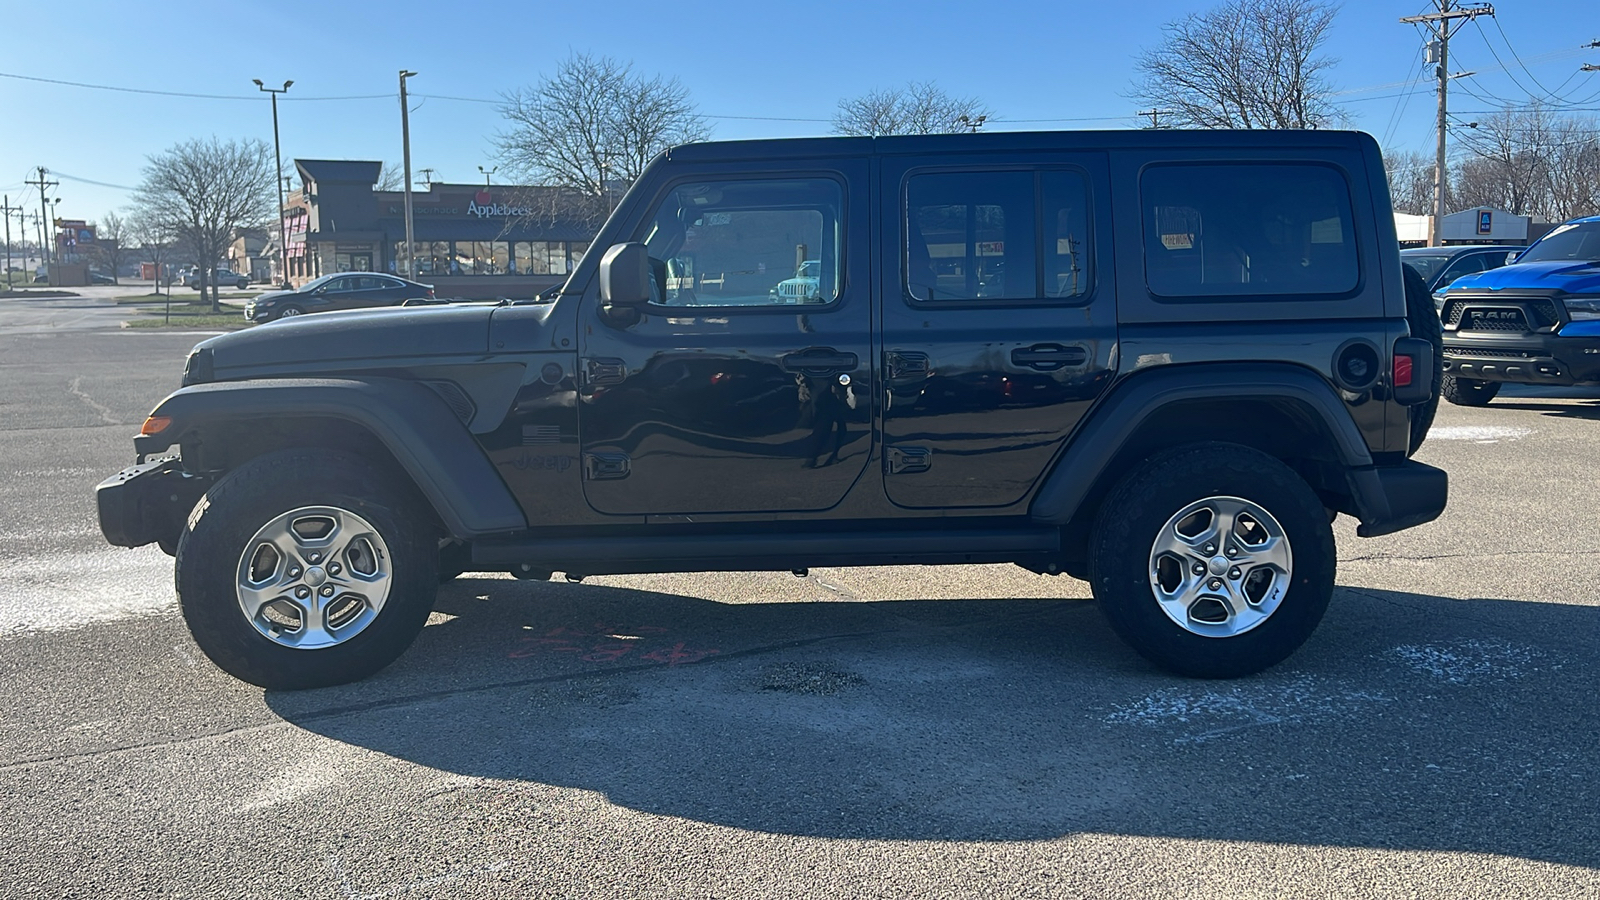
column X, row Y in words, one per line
column 405, row 154
column 277, row 158
column 1154, row 114
column 427, row 175
column 1447, row 19
column 6, row 209
column 44, row 211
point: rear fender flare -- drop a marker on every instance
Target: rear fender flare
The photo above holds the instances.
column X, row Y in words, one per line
column 1099, row 444
column 425, row 437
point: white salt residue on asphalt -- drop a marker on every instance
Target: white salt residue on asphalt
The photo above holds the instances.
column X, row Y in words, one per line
column 55, row 591
column 1201, row 715
column 1469, row 661
column 1479, row 434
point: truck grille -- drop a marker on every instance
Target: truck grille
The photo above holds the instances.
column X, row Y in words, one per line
column 1541, row 311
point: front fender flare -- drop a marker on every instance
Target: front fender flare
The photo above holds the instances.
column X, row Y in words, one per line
column 425, row 437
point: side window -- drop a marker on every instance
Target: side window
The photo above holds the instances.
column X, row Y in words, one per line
column 996, row 236
column 970, row 236
column 338, row 285
column 1242, row 231
column 770, row 242
column 1466, row 265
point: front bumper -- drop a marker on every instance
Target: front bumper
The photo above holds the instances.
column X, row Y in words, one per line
column 149, row 502
column 1568, row 356
column 1394, row 498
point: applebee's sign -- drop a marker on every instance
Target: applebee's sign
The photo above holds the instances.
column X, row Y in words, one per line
column 483, row 207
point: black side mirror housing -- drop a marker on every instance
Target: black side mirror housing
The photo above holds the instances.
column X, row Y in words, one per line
column 625, row 276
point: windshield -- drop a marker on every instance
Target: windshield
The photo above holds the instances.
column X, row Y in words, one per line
column 1426, row 265
column 1573, row 241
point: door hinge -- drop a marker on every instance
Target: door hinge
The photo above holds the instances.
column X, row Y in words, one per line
column 604, row 371
column 906, row 460
column 605, row 466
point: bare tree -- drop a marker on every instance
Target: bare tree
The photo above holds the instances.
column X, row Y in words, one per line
column 155, row 238
column 1532, row 160
column 593, row 126
column 206, row 190
column 918, row 108
column 1411, row 181
column 391, row 177
column 1243, row 64
column 111, row 242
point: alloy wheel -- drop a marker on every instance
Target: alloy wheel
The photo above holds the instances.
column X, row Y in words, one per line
column 313, row 577
column 1220, row 566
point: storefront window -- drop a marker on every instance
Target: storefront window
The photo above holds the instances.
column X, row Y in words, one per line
column 526, row 264
column 556, row 253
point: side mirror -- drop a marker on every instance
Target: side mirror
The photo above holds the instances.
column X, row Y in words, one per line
column 1512, row 256
column 625, row 276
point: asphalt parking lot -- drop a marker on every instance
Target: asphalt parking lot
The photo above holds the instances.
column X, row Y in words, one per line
column 877, row 732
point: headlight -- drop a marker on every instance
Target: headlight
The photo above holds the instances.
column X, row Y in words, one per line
column 1581, row 308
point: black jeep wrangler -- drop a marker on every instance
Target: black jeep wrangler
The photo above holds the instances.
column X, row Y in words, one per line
column 1161, row 361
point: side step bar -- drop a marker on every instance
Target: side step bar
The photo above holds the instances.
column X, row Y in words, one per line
column 637, row 554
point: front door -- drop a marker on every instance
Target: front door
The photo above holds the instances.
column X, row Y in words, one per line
column 745, row 385
column 999, row 321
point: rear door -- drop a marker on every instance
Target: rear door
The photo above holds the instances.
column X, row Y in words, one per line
column 999, row 320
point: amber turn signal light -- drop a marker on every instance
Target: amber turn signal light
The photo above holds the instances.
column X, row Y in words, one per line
column 155, row 424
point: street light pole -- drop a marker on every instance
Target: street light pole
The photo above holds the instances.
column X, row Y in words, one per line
column 487, row 173
column 405, row 154
column 277, row 158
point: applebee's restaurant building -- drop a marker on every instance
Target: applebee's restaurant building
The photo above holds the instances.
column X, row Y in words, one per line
column 473, row 241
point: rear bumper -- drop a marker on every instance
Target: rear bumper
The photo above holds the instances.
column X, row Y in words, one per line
column 1394, row 498
column 1539, row 358
column 146, row 503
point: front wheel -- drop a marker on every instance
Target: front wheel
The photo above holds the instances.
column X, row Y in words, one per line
column 306, row 568
column 1469, row 391
column 1213, row 560
column 290, row 311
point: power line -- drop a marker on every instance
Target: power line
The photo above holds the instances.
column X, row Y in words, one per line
column 120, row 187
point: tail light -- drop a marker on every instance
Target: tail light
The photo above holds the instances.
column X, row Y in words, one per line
column 1409, row 374
column 1402, row 370
column 430, row 293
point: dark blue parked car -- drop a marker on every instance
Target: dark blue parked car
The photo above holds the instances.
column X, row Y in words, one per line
column 1535, row 321
column 1441, row 266
column 347, row 290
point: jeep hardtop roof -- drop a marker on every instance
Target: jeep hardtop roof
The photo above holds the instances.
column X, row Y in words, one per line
column 792, row 148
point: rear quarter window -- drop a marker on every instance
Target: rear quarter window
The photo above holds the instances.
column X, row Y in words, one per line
column 1279, row 231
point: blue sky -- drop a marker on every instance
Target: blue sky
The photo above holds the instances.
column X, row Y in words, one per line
column 1070, row 63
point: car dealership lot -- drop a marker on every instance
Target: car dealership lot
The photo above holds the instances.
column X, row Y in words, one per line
column 885, row 732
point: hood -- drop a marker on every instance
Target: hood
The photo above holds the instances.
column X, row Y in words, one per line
column 271, row 295
column 310, row 343
column 1567, row 276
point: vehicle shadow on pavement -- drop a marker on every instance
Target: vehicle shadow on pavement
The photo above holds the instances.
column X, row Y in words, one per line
column 1408, row 722
column 1590, row 410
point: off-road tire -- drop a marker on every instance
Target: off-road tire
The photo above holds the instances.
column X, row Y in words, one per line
column 1469, row 391
column 244, row 500
column 1423, row 318
column 1140, row 506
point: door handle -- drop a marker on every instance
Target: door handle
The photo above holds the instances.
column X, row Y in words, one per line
column 820, row 361
column 1049, row 357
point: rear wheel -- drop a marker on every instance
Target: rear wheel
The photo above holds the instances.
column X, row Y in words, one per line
column 306, row 568
column 1469, row 391
column 1213, row 560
